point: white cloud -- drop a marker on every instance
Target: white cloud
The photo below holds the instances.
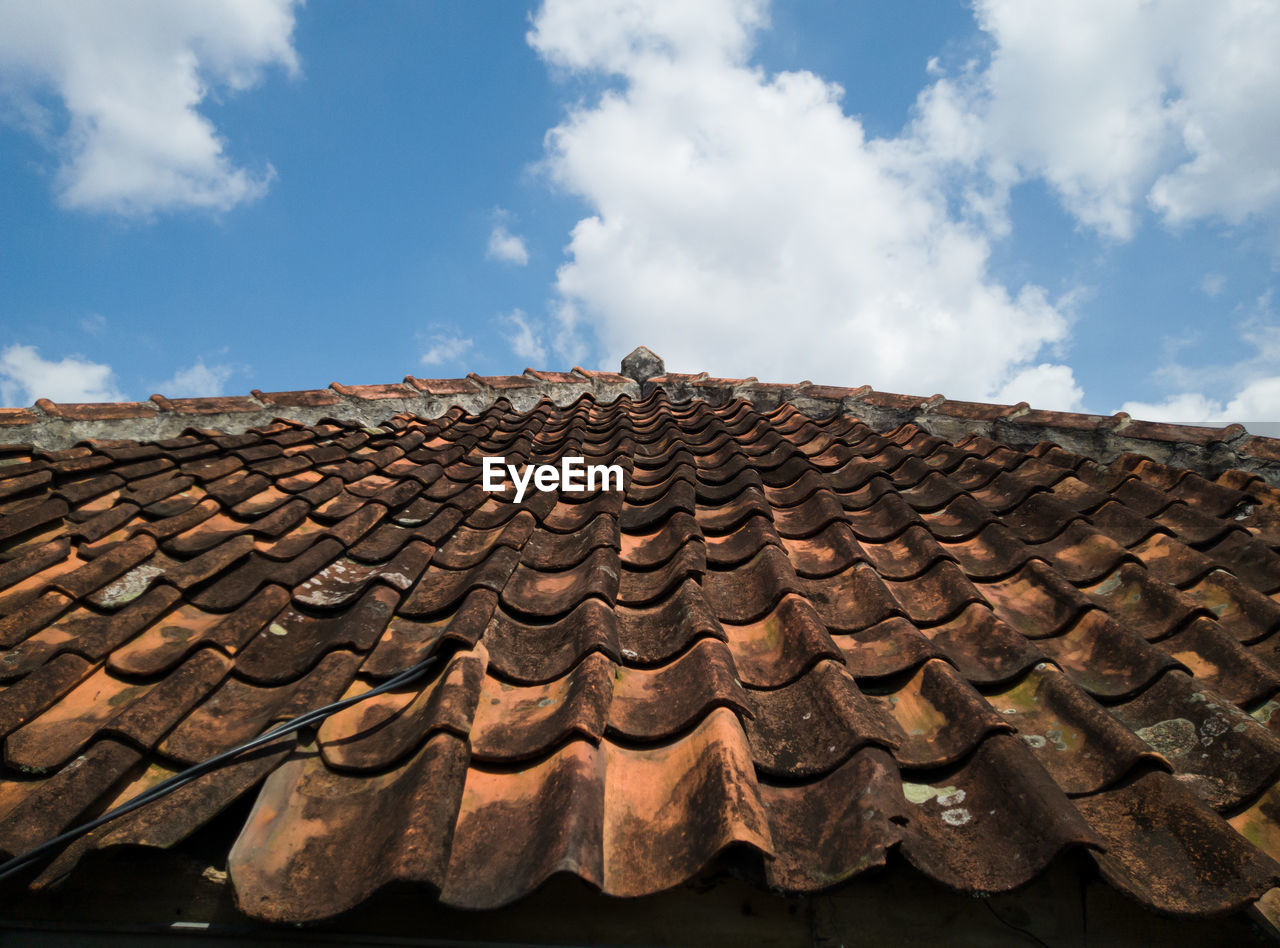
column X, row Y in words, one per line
column 1187, row 407
column 627, row 32
column 131, row 76
column 1213, row 284
column 745, row 225
column 196, row 381
column 95, row 324
column 506, row 246
column 522, row 337
column 1118, row 104
column 446, row 347
column 25, row 377
column 1247, row 390
column 1044, row 386
column 1257, row 401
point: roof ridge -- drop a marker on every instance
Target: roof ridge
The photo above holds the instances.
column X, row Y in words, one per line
column 50, row 425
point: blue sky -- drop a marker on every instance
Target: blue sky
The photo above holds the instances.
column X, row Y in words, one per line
column 1078, row 206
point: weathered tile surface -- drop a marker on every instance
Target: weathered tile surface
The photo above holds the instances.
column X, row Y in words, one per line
column 799, row 638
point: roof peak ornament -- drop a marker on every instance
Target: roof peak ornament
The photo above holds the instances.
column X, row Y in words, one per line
column 643, row 364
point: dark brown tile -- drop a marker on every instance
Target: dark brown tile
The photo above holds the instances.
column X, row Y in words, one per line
column 1073, row 737
column 382, row 731
column 1217, row 751
column 991, row 824
column 650, row 705
column 1196, row 865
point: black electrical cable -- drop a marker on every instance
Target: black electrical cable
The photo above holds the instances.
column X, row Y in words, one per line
column 26, row 860
column 1022, row 931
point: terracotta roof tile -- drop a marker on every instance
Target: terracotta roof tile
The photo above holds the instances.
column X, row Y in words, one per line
column 316, row 398
column 96, row 411
column 1264, row 448
column 597, row 376
column 395, row 390
column 209, row 405
column 804, row 639
column 442, row 386
column 13, row 417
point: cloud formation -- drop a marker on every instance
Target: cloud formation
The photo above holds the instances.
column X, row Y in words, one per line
column 746, row 225
column 1249, row 389
column 506, row 246
column 25, row 376
column 1213, row 284
column 1128, row 108
column 95, row 324
column 523, row 339
column 1121, row 106
column 131, row 77
column 1257, row 401
column 196, row 381
column 446, row 347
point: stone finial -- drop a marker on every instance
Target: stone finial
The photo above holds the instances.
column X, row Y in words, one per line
column 642, row 365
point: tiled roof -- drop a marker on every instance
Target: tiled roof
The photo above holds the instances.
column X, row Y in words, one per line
column 804, row 637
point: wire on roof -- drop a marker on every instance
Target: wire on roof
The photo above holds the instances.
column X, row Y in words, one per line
column 163, row 789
